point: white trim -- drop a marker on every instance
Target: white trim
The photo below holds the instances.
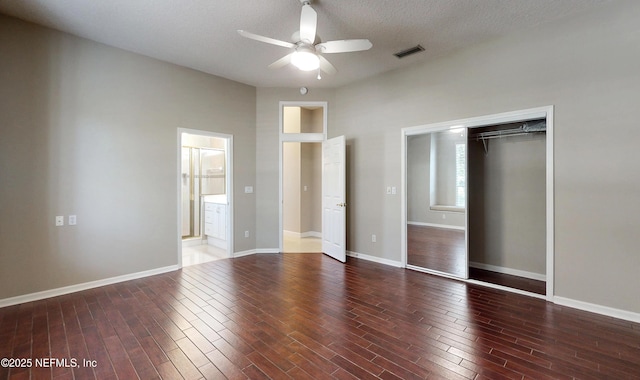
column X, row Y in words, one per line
column 598, row 309
column 435, row 272
column 446, row 208
column 267, row 250
column 510, row 271
column 375, row 259
column 550, row 206
column 229, row 173
column 302, row 235
column 84, row 286
column 192, row 242
column 244, row 253
column 506, row 289
column 445, row 226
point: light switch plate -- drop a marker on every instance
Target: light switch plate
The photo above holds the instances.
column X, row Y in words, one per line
column 59, row 220
column 248, row 189
column 72, row 220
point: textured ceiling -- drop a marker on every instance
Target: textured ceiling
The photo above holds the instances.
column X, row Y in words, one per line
column 201, row 34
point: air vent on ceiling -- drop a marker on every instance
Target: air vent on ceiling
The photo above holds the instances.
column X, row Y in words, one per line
column 410, row 51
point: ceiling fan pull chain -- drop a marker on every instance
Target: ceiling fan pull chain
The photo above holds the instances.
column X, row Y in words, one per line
column 319, row 77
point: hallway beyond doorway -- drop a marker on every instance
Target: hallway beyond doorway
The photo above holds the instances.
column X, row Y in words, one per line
column 294, row 243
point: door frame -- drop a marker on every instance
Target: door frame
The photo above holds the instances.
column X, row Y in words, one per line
column 294, row 137
column 506, row 117
column 229, row 186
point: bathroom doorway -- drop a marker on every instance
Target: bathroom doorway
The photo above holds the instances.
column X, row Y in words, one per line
column 205, row 192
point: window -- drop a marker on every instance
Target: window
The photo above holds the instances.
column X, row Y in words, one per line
column 448, row 170
column 461, row 175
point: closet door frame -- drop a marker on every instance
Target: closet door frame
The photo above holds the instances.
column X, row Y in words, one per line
column 481, row 121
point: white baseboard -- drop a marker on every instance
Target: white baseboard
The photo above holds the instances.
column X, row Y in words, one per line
column 218, row 243
column 254, row 251
column 513, row 272
column 375, row 259
column 598, row 309
column 192, row 242
column 84, row 286
column 301, row 235
column 446, row 226
column 267, row 250
column 244, row 253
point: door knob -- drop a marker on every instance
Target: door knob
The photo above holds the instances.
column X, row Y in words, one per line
column 341, row 205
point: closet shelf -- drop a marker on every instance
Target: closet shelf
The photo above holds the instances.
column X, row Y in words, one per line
column 523, row 129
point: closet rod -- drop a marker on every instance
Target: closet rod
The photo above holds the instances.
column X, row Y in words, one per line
column 524, row 129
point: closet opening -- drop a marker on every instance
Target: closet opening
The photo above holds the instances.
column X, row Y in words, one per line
column 477, row 200
column 506, row 206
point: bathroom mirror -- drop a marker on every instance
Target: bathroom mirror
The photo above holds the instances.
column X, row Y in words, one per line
column 436, row 185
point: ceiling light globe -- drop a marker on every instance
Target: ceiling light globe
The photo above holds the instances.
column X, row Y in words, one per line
column 305, row 60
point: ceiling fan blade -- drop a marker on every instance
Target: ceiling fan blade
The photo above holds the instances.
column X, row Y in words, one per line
column 326, row 66
column 344, row 46
column 281, row 62
column 268, row 40
column 308, row 24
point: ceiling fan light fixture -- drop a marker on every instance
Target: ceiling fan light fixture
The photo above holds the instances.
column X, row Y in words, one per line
column 305, row 60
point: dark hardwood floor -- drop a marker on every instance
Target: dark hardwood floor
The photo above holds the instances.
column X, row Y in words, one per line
column 307, row 316
column 516, row 282
column 440, row 249
column 444, row 250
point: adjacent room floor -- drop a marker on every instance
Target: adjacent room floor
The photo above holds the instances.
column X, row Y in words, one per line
column 296, row 244
column 307, row 316
column 203, row 253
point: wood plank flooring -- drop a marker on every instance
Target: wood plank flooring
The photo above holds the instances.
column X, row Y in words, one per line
column 440, row 249
column 307, row 316
column 516, row 282
column 444, row 250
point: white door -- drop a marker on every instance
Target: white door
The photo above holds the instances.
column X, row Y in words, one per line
column 334, row 237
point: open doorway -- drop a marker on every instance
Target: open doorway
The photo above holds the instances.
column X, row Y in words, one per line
column 204, row 205
column 303, row 129
column 301, row 197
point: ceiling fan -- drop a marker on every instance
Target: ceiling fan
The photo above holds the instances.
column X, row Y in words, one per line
column 307, row 48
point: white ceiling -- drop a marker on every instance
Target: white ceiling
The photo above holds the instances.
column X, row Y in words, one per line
column 201, row 34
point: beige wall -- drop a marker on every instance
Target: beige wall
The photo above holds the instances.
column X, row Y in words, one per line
column 587, row 67
column 507, row 199
column 311, row 179
column 301, row 187
column 291, row 182
column 91, row 130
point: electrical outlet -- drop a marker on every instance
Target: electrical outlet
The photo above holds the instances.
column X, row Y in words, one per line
column 373, row 238
column 59, row 221
column 246, row 234
column 72, row 220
